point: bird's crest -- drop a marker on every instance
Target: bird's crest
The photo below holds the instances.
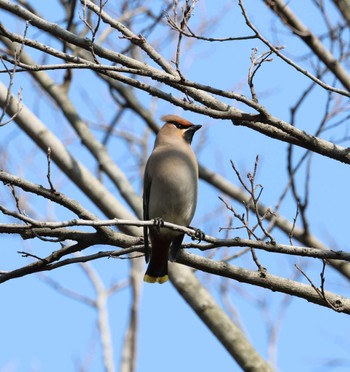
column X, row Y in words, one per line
column 176, row 119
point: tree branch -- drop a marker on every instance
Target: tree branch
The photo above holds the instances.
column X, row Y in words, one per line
column 204, row 305
column 272, row 282
column 298, row 28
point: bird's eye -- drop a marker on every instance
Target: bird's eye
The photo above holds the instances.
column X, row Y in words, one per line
column 178, row 125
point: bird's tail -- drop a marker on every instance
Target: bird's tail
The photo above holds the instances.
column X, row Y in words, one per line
column 157, row 270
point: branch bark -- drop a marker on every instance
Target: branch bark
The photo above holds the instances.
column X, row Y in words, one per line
column 204, row 305
column 266, row 280
column 298, row 28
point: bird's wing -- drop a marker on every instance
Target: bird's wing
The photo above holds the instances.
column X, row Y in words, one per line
column 146, row 192
column 176, row 246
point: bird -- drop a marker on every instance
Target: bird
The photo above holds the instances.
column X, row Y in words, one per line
column 169, row 193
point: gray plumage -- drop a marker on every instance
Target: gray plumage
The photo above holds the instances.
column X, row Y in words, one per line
column 170, row 192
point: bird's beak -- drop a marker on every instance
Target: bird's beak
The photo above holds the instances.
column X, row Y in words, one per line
column 188, row 135
column 194, row 128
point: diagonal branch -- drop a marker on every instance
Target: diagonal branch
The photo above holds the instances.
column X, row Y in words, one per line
column 269, row 281
column 280, row 8
column 205, row 306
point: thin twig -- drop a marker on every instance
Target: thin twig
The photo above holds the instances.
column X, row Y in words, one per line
column 49, row 169
column 321, row 291
column 276, row 50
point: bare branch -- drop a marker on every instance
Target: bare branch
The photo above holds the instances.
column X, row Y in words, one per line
column 276, row 50
column 102, row 294
column 189, row 33
column 213, row 316
column 299, row 29
column 340, row 303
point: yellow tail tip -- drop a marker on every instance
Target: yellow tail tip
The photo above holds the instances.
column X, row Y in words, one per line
column 155, row 279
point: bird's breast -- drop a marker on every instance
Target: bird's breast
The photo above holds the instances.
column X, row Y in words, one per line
column 173, row 193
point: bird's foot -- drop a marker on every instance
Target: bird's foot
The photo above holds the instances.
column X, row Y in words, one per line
column 198, row 235
column 158, row 223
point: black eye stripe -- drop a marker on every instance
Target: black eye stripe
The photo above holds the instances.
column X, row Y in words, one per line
column 178, row 125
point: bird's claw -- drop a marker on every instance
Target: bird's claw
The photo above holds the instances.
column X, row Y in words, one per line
column 158, row 223
column 198, row 235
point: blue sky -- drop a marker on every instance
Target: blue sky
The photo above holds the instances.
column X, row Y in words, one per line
column 43, row 330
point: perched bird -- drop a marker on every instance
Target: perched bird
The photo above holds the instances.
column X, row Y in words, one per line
column 169, row 193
